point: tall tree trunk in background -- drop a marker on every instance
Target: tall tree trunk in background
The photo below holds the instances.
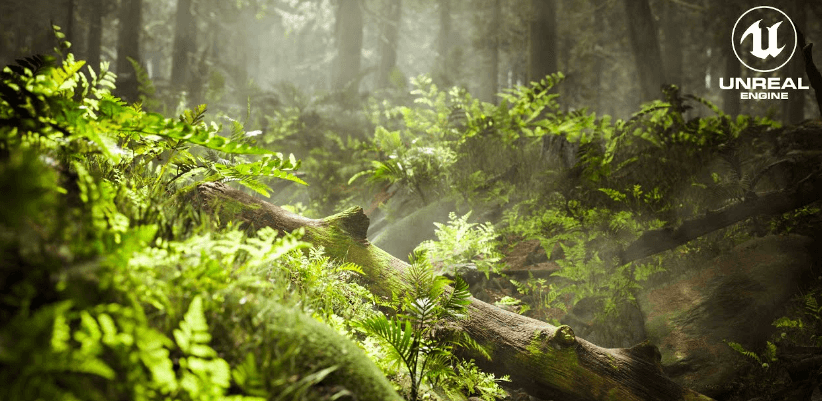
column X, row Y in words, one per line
column 444, row 42
column 542, row 39
column 349, row 46
column 672, row 49
column 793, row 110
column 645, row 46
column 185, row 33
column 389, row 41
column 490, row 85
column 128, row 46
column 95, row 35
column 733, row 68
column 69, row 29
column 600, row 29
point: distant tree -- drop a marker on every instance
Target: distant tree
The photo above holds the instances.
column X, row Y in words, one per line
column 185, row 45
column 730, row 98
column 389, row 41
column 488, row 45
column 128, row 46
column 793, row 110
column 494, row 49
column 349, row 27
column 542, row 39
column 598, row 68
column 69, row 31
column 672, row 51
column 95, row 34
column 445, row 68
column 645, row 46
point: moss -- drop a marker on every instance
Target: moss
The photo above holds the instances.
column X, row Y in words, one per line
column 323, row 347
column 612, row 362
column 567, row 375
column 564, row 336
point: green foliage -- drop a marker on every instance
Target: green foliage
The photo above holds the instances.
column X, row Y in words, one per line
column 796, row 338
column 413, row 337
column 470, row 380
column 114, row 287
column 462, row 246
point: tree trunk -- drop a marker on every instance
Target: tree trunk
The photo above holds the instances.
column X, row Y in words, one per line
column 70, row 7
column 672, row 51
column 444, row 43
column 128, row 46
column 793, row 110
column 733, row 68
column 549, row 362
column 490, row 48
column 389, row 41
column 542, row 39
column 600, row 21
column 95, row 35
column 349, row 46
column 645, row 46
column 185, row 34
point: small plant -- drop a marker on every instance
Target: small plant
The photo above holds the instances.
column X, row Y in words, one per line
column 413, row 337
column 470, row 380
column 461, row 245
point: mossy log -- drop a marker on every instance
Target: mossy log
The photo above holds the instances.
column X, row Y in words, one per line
column 547, row 361
column 325, row 347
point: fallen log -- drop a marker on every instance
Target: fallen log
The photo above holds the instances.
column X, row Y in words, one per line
column 547, row 361
column 655, row 241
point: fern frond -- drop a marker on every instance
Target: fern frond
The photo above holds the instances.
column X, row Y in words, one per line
column 457, row 301
column 399, row 336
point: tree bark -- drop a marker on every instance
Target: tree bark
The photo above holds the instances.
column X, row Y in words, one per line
column 645, row 46
column 185, row 33
column 128, row 46
column 548, row 361
column 95, row 35
column 349, row 46
column 542, row 39
column 389, row 42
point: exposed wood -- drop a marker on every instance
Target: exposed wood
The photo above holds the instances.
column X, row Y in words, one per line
column 548, row 361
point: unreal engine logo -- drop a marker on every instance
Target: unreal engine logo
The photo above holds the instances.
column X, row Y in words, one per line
column 764, row 40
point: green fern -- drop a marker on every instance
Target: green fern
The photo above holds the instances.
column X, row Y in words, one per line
column 409, row 337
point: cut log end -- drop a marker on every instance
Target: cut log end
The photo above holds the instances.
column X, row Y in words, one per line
column 353, row 222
